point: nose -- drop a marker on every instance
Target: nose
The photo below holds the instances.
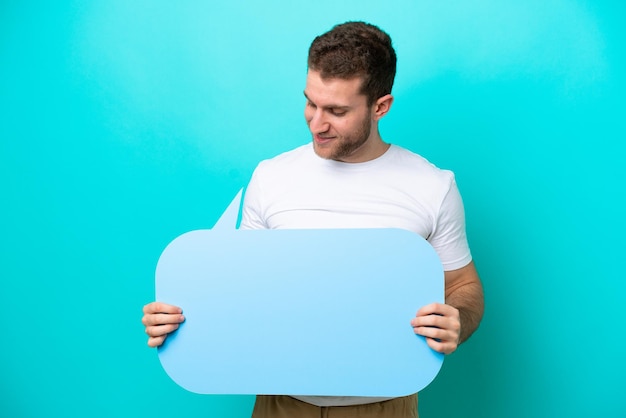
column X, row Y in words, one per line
column 316, row 121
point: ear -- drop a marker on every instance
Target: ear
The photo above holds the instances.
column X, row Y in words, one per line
column 382, row 106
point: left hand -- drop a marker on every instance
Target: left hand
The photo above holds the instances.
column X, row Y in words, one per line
column 441, row 325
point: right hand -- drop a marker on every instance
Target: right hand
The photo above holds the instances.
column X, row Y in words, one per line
column 160, row 319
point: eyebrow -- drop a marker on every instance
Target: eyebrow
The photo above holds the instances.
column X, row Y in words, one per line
column 331, row 106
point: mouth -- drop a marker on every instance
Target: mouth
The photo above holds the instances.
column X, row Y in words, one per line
column 321, row 139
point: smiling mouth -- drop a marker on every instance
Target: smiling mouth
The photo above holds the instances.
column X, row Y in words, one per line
column 322, row 139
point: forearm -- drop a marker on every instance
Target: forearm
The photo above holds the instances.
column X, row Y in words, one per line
column 469, row 300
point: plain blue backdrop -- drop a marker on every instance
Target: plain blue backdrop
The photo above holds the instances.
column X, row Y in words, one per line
column 126, row 123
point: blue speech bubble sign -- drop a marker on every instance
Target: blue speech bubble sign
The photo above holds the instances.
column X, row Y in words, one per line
column 299, row 312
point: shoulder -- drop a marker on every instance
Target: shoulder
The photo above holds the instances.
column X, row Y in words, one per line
column 284, row 167
column 417, row 167
column 295, row 156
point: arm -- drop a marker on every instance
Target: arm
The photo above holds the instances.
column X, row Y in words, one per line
column 160, row 320
column 445, row 326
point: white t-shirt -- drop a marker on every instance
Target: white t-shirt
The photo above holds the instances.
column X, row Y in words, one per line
column 400, row 189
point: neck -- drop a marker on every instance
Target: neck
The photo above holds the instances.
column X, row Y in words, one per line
column 373, row 148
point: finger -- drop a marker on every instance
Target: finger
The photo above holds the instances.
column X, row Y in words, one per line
column 436, row 309
column 437, row 333
column 156, row 341
column 438, row 321
column 432, row 321
column 161, row 330
column 444, row 347
column 160, row 307
column 439, row 340
column 162, row 319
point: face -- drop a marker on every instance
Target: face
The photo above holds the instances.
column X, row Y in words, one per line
column 339, row 119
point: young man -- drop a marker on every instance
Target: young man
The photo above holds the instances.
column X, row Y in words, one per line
column 350, row 178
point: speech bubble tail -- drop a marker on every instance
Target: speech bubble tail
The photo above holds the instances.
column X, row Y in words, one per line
column 228, row 220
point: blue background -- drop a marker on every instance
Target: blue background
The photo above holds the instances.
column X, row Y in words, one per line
column 124, row 124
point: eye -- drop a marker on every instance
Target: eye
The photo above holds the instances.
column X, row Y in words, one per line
column 337, row 112
column 310, row 104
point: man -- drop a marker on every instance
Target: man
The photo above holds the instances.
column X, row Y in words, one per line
column 350, row 178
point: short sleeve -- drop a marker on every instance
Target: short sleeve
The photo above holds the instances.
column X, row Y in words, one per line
column 449, row 238
column 252, row 212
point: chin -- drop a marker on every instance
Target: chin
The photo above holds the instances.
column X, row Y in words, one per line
column 326, row 153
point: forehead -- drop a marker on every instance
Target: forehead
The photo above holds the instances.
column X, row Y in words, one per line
column 333, row 91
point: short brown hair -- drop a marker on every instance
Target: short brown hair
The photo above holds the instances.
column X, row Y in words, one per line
column 356, row 49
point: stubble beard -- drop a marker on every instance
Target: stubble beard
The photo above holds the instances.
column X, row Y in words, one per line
column 344, row 147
